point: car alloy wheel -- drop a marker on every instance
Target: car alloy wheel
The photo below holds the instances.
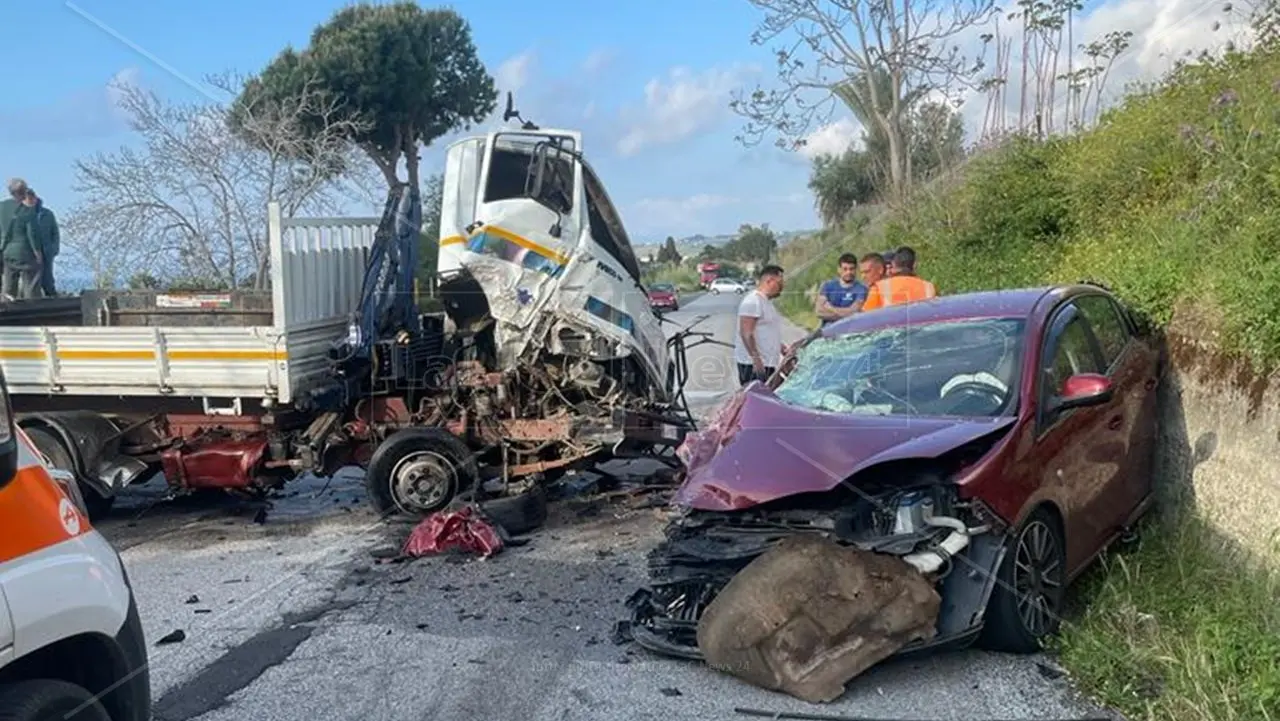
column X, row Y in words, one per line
column 1026, row 602
column 1038, row 578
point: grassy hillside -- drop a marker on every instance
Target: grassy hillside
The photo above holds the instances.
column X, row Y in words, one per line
column 1173, row 201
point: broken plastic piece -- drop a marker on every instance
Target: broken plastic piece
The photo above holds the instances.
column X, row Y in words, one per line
column 809, row 615
column 448, row 530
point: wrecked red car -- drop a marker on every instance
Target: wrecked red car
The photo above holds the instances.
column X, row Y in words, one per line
column 992, row 444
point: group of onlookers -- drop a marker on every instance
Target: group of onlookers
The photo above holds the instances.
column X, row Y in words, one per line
column 29, row 242
column 887, row 279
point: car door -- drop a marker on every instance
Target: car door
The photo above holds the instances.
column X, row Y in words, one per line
column 1129, row 366
column 1068, row 442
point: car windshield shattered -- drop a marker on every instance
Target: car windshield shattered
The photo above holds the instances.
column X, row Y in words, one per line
column 966, row 368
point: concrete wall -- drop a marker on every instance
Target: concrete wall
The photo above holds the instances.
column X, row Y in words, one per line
column 1220, row 445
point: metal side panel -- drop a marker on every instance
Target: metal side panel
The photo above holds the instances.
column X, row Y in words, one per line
column 202, row 362
column 308, row 356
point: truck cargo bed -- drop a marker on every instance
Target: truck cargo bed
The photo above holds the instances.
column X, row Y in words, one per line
column 253, row 346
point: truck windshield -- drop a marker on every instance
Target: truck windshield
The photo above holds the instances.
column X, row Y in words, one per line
column 966, row 368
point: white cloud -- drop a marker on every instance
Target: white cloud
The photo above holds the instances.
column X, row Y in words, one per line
column 832, row 139
column 682, row 105
column 514, row 73
column 598, row 60
column 92, row 112
column 680, row 216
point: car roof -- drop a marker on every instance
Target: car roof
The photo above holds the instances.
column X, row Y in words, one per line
column 1016, row 303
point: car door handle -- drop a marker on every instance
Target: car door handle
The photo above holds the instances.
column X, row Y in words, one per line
column 1115, row 422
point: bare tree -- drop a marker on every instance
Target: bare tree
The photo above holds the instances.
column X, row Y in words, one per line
column 830, row 43
column 191, row 201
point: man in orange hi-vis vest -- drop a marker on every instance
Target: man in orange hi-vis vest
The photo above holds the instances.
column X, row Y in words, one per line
column 902, row 285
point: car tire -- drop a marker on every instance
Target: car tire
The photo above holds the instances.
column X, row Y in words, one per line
column 437, row 458
column 518, row 514
column 93, row 504
column 49, row 700
column 1036, row 560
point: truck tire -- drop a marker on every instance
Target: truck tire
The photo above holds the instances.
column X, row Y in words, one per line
column 94, row 504
column 418, row 471
column 49, row 700
column 520, row 513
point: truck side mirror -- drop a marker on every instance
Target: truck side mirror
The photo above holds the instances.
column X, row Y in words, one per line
column 8, row 439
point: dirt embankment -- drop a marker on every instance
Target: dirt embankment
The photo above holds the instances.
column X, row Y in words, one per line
column 1220, row 444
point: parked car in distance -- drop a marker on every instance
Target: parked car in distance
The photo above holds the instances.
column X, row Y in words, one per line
column 1023, row 420
column 664, row 296
column 727, row 285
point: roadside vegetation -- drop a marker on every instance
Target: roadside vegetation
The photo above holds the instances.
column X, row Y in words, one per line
column 1172, row 199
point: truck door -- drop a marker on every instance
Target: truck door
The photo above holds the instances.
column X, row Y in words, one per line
column 530, row 222
column 460, row 192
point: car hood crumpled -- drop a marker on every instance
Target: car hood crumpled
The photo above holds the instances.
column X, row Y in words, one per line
column 759, row 449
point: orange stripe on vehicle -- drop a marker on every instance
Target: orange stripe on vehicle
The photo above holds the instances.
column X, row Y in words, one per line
column 22, row 354
column 106, row 355
column 228, row 355
column 29, row 514
column 453, row 240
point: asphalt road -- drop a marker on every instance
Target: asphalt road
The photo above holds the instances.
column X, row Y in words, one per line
column 297, row 618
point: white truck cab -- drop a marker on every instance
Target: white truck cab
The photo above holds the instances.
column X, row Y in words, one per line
column 71, row 643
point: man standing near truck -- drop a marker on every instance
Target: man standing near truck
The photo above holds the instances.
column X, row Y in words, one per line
column 902, row 285
column 843, row 295
column 23, row 251
column 17, row 188
column 46, row 227
column 757, row 346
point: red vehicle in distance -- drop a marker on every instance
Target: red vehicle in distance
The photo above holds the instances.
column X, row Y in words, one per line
column 664, row 296
column 708, row 272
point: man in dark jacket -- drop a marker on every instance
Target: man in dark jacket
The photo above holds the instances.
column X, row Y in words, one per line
column 47, row 231
column 23, row 251
column 17, row 188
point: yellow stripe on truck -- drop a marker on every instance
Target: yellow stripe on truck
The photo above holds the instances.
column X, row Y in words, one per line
column 146, row 355
column 15, row 354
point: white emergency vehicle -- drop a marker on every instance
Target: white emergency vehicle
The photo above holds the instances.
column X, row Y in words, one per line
column 71, row 644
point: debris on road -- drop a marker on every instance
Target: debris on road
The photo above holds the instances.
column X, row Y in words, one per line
column 176, row 636
column 445, row 531
column 809, row 615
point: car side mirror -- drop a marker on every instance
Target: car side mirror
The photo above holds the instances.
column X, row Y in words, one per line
column 1082, row 390
column 8, row 440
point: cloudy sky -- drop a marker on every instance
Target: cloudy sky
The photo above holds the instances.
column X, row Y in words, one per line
column 647, row 82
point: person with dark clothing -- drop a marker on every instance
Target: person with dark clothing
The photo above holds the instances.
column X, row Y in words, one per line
column 47, row 230
column 17, row 188
column 23, row 252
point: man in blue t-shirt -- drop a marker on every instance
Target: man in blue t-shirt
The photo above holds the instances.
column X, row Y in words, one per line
column 842, row 296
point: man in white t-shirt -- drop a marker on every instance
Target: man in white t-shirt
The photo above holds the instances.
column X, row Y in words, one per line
column 757, row 343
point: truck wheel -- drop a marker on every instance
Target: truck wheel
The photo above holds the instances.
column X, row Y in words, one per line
column 94, row 504
column 1026, row 604
column 49, row 700
column 418, row 471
